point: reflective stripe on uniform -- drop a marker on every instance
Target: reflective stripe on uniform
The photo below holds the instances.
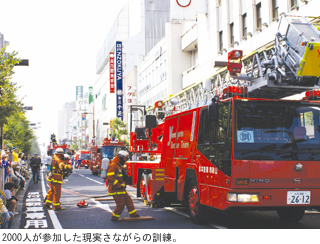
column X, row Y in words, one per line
column 112, row 173
column 117, row 193
column 115, row 182
column 115, row 215
column 133, row 211
column 48, row 201
column 120, row 175
column 56, row 204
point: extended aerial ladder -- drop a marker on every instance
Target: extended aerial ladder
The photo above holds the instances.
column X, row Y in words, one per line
column 291, row 66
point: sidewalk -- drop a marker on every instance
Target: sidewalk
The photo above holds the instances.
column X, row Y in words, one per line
column 19, row 193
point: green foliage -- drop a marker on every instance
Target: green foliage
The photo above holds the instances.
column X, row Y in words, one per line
column 35, row 148
column 18, row 133
column 9, row 103
column 74, row 146
column 119, row 129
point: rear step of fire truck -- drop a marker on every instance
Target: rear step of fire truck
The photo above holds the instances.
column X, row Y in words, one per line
column 290, row 67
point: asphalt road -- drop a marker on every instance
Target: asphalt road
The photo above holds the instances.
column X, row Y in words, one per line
column 82, row 185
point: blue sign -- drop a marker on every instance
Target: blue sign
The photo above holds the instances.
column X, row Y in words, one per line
column 119, row 91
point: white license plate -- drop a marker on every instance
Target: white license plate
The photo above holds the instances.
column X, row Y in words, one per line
column 298, row 197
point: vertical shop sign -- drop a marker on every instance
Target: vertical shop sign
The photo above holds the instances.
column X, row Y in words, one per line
column 111, row 67
column 129, row 96
column 90, row 94
column 119, row 93
column 79, row 92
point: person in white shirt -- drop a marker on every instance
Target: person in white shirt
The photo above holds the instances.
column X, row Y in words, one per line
column 11, row 198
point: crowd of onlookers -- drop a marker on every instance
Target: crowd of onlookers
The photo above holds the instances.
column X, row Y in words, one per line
column 16, row 172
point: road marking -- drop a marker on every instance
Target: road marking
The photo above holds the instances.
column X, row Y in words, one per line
column 91, row 179
column 187, row 215
column 102, row 206
column 52, row 214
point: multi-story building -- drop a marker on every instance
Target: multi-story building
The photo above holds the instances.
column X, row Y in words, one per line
column 202, row 32
column 140, row 25
column 168, row 46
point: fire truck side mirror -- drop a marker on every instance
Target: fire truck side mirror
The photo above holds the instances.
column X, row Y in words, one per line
column 213, row 109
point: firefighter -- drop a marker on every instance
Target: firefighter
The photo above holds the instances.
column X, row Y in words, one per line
column 55, row 180
column 117, row 186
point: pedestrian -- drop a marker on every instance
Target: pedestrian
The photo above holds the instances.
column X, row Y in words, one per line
column 7, row 216
column 55, row 181
column 5, row 165
column 79, row 161
column 15, row 155
column 16, row 168
column 117, row 186
column 23, row 168
column 35, row 165
column 12, row 200
column 12, row 176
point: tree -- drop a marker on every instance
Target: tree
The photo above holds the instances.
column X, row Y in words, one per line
column 74, row 146
column 119, row 129
column 9, row 103
column 18, row 133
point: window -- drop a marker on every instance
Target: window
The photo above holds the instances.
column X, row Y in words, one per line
column 293, row 5
column 258, row 16
column 276, row 131
column 231, row 33
column 244, row 26
column 214, row 138
column 275, row 10
column 220, row 41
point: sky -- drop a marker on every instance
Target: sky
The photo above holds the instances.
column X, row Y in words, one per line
column 60, row 39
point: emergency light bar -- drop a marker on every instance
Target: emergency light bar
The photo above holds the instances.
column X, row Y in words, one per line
column 235, row 90
column 312, row 95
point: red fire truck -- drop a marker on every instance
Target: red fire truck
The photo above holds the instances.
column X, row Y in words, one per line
column 108, row 149
column 54, row 146
column 84, row 155
column 239, row 145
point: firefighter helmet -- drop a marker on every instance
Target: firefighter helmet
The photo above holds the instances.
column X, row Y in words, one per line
column 124, row 154
column 59, row 151
column 82, row 204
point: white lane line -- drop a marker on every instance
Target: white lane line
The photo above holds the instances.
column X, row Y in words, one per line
column 52, row 214
column 102, row 206
column 187, row 215
column 91, row 179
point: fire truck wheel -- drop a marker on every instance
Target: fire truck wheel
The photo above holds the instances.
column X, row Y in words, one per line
column 290, row 214
column 195, row 209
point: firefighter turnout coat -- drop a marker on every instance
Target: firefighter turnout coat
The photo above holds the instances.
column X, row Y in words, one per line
column 117, row 188
column 55, row 180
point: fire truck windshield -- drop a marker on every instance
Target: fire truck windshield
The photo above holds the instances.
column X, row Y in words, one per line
column 110, row 151
column 85, row 156
column 266, row 130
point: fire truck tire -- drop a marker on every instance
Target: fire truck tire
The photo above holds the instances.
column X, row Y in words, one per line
column 148, row 190
column 291, row 214
column 195, row 209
